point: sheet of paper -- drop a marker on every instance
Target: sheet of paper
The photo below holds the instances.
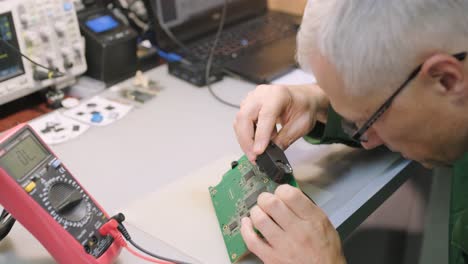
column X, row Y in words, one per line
column 55, row 128
column 99, row 111
column 296, row 76
column 182, row 215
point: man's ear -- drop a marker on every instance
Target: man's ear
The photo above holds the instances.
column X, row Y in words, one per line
column 445, row 70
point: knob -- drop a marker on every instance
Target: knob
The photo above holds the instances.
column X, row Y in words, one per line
column 67, row 201
column 24, row 18
column 45, row 35
column 60, row 29
column 31, row 38
column 77, row 48
column 67, row 62
column 50, row 59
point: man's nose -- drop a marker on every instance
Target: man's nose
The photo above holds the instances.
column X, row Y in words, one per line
column 373, row 140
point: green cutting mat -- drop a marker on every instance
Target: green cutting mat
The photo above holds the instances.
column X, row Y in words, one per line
column 234, row 196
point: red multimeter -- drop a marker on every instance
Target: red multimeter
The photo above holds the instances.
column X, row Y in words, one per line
column 40, row 193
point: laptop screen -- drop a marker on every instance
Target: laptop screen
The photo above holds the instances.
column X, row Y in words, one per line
column 173, row 13
column 192, row 19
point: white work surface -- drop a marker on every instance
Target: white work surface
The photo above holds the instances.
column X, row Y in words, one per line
column 157, row 163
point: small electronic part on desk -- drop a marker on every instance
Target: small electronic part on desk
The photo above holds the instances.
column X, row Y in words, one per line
column 137, row 96
column 239, row 189
column 142, row 89
column 40, row 46
column 56, row 128
column 99, row 111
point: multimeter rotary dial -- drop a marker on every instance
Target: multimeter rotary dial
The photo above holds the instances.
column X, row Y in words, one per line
column 67, row 201
column 70, row 204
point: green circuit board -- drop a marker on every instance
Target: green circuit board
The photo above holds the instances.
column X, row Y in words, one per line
column 234, row 196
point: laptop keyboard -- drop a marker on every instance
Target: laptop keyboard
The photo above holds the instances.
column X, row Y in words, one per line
column 236, row 40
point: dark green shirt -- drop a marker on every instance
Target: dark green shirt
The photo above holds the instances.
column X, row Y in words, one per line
column 458, row 221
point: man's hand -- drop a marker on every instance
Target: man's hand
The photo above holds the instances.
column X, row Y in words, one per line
column 294, row 229
column 296, row 108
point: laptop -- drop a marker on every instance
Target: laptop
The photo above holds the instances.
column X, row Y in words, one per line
column 256, row 44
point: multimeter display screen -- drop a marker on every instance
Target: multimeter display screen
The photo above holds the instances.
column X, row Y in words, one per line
column 102, row 23
column 23, row 157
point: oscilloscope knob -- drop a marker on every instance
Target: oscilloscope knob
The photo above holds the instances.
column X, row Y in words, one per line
column 60, row 29
column 67, row 201
column 31, row 38
column 24, row 19
column 45, row 35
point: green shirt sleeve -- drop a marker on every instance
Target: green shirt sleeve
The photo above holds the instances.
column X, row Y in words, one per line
column 458, row 228
column 331, row 132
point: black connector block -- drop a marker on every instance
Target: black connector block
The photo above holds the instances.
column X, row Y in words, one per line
column 273, row 162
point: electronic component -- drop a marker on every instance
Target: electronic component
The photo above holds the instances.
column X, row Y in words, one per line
column 274, row 163
column 233, row 197
column 111, row 46
column 46, row 31
column 54, row 98
column 138, row 96
column 194, row 72
column 249, row 175
column 251, row 200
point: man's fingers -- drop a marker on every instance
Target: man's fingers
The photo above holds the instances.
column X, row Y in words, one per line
column 267, row 227
column 291, row 131
column 254, row 243
column 244, row 129
column 277, row 210
column 266, row 124
column 262, row 108
column 302, row 206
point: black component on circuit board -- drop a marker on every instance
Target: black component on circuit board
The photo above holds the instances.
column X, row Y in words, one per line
column 234, row 164
column 274, row 163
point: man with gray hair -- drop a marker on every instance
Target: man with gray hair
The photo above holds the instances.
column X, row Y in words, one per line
column 390, row 73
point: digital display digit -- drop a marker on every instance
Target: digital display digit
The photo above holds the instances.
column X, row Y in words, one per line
column 23, row 157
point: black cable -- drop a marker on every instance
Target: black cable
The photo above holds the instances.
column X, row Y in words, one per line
column 6, row 224
column 154, row 255
column 56, row 71
column 211, row 56
column 120, row 218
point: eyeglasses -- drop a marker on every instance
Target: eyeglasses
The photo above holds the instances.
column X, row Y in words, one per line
column 358, row 134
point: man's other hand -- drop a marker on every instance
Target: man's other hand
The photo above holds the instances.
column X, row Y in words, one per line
column 294, row 229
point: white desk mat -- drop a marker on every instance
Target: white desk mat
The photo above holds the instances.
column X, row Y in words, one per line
column 181, row 214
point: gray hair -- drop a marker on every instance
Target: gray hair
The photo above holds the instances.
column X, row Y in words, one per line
column 375, row 43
